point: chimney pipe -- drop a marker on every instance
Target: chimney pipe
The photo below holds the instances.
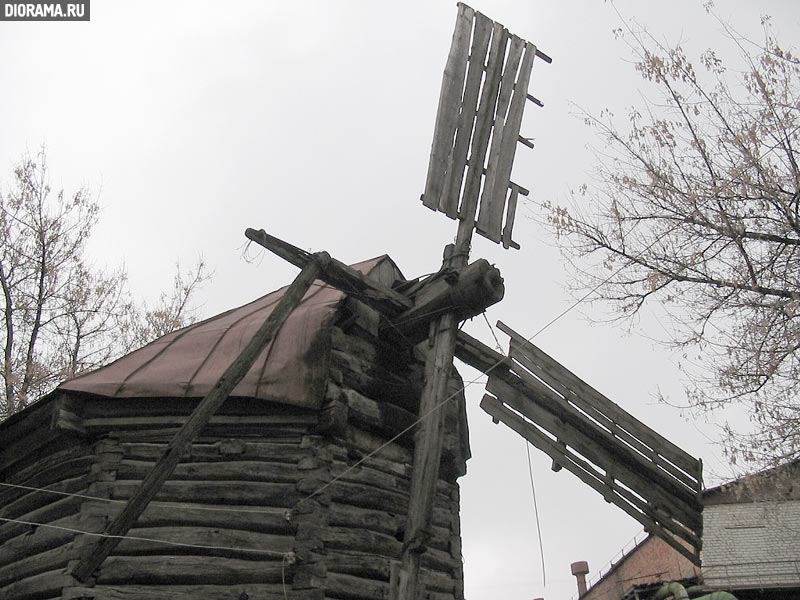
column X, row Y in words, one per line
column 580, row 569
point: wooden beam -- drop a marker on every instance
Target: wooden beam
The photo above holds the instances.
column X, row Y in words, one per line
column 339, row 275
column 466, row 294
column 200, row 417
column 427, row 456
column 589, row 476
column 562, row 380
column 449, row 102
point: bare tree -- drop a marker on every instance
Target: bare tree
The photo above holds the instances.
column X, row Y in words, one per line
column 695, row 205
column 58, row 315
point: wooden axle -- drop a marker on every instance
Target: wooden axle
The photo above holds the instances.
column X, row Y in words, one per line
column 465, row 293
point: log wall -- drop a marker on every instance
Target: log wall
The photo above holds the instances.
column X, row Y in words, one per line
column 245, row 515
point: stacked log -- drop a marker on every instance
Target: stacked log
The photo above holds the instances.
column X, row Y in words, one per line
column 271, row 502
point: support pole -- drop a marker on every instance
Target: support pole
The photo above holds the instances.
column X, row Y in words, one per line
column 199, row 419
column 429, row 437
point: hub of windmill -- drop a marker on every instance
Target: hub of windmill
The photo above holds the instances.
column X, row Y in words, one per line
column 465, row 293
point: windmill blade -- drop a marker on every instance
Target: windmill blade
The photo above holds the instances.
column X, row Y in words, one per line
column 481, row 101
column 623, row 459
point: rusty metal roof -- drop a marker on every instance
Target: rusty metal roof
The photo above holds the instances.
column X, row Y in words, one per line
column 187, row 363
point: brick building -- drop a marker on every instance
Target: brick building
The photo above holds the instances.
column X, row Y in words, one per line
column 751, row 546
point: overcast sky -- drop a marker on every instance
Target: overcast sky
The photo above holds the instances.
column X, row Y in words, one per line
column 194, row 120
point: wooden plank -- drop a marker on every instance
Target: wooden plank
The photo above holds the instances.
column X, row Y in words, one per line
column 189, row 570
column 230, row 591
column 524, row 368
column 627, row 447
column 552, row 371
column 483, row 125
column 510, row 214
column 427, row 457
column 447, row 112
column 633, row 474
column 584, row 471
column 457, row 161
column 200, row 417
column 339, row 275
column 489, row 223
column 494, row 192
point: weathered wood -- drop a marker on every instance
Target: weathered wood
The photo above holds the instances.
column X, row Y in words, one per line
column 448, row 110
column 66, row 416
column 107, row 424
column 337, row 274
column 633, row 473
column 259, row 519
column 270, row 452
column 216, row 471
column 243, row 493
column 29, row 500
column 33, row 564
column 501, row 162
column 427, row 456
column 34, row 541
column 230, row 591
column 560, row 378
column 584, row 472
column 188, row 570
column 38, row 587
column 483, row 125
column 350, row 587
column 457, row 161
column 200, row 417
column 491, row 205
column 216, row 541
column 510, row 215
column 465, row 294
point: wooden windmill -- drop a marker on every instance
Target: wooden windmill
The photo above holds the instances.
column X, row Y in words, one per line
column 484, row 93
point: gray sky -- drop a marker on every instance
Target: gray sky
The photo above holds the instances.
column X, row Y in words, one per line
column 313, row 120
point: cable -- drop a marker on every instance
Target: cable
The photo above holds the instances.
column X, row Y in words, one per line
column 536, row 512
column 146, row 539
column 185, row 505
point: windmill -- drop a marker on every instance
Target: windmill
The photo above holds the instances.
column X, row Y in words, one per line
column 484, row 92
column 483, row 96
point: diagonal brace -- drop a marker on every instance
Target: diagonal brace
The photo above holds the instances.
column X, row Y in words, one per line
column 199, row 418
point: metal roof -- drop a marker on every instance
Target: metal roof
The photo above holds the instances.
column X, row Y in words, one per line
column 187, row 363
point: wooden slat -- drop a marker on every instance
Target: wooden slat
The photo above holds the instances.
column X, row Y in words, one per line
column 510, row 213
column 483, row 123
column 475, row 353
column 610, row 430
column 449, row 101
column 551, row 371
column 584, row 471
column 635, row 474
column 457, row 162
column 488, row 225
column 523, row 367
column 494, row 192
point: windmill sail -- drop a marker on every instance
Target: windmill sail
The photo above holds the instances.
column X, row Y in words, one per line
column 584, row 432
column 484, row 90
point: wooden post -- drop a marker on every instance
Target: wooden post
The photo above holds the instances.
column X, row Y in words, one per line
column 199, row 419
column 429, row 437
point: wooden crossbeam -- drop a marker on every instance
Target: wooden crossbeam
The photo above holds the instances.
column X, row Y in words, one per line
column 199, row 418
column 631, row 465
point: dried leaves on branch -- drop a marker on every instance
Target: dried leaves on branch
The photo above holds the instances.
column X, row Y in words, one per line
column 696, row 206
column 60, row 316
